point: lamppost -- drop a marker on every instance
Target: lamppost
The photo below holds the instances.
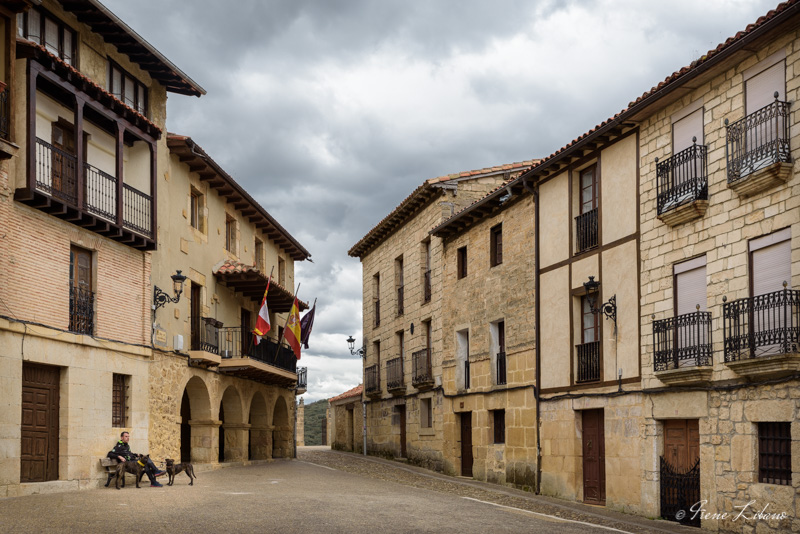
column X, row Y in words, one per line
column 160, row 298
column 609, row 308
column 361, row 352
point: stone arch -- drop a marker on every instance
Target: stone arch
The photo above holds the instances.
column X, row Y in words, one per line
column 260, row 442
column 196, row 426
column 281, row 430
column 232, row 440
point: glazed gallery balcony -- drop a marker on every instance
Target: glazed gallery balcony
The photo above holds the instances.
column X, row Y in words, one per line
column 89, row 159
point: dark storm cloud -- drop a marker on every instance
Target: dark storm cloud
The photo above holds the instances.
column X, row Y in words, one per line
column 331, row 112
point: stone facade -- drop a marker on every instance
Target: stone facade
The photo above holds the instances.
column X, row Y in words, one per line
column 346, row 416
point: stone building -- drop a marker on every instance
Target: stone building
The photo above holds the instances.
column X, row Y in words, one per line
column 92, row 199
column 403, row 293
column 346, row 414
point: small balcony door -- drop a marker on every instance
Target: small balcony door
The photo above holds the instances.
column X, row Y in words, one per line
column 63, row 167
column 195, row 319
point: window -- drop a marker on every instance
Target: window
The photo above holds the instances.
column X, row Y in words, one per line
column 376, row 348
column 690, row 286
column 589, row 321
column 400, row 286
column 281, row 271
column 127, row 88
column 426, row 271
column 376, row 297
column 775, row 453
column 760, row 88
column 462, row 357
column 230, row 234
column 770, row 262
column 496, row 245
column 119, row 400
column 258, row 251
column 401, row 344
column 44, row 29
column 498, row 340
column 81, row 297
column 425, row 413
column 588, row 351
column 499, row 426
column 196, row 208
column 586, row 222
column 462, row 262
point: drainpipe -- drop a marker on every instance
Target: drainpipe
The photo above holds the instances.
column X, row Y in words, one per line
column 535, row 193
column 364, row 429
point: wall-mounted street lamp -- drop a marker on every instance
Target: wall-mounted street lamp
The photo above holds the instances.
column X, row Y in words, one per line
column 160, row 298
column 351, row 342
column 608, row 308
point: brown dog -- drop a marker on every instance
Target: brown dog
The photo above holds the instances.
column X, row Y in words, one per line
column 135, row 467
column 173, row 469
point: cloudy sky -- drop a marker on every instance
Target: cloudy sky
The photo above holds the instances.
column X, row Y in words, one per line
column 330, row 112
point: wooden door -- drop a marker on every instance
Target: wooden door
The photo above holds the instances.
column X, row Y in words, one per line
column 40, row 403
column 594, row 457
column 63, row 165
column 466, row 444
column 682, row 443
column 401, row 412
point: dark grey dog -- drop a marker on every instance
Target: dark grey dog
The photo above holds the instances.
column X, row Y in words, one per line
column 134, row 467
column 173, row 469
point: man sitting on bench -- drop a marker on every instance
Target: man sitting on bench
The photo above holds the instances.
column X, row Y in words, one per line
column 122, row 453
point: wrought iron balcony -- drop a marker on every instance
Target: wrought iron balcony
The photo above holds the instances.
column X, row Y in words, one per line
column 302, row 378
column 682, row 341
column 766, row 325
column 81, row 310
column 372, row 380
column 377, row 313
column 400, row 302
column 394, row 374
column 422, row 370
column 586, row 230
column 234, row 343
column 682, row 178
column 501, row 368
column 758, row 141
column 588, row 362
column 426, row 286
column 205, row 335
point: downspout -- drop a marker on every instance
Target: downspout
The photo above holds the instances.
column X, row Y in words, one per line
column 537, row 382
column 364, row 425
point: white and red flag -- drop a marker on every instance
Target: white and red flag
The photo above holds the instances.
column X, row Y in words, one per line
column 262, row 321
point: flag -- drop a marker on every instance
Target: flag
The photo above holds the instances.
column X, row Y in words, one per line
column 262, row 322
column 306, row 323
column 292, row 331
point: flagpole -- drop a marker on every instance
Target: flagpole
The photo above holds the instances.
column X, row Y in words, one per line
column 255, row 338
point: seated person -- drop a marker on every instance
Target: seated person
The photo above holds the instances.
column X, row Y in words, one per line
column 122, row 452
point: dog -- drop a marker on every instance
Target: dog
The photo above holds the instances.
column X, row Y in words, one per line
column 135, row 467
column 173, row 469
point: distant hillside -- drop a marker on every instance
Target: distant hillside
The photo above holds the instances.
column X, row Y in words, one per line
column 315, row 413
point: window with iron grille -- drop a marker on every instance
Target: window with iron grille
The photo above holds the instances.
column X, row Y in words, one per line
column 499, row 419
column 775, row 453
column 496, row 245
column 81, row 296
column 127, row 88
column 586, row 223
column 44, row 29
column 462, row 262
column 119, row 401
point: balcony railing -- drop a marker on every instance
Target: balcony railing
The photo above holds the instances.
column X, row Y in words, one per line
column 682, row 341
column 421, row 366
column 682, row 178
column 765, row 325
column 588, row 362
column 758, row 140
column 372, row 380
column 586, row 230
column 56, row 175
column 426, row 286
column 302, row 377
column 4, row 111
column 233, row 343
column 394, row 374
column 205, row 335
column 377, row 313
column 400, row 302
column 81, row 310
column 501, row 368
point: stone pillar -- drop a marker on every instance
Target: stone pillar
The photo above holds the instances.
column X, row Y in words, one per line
column 205, row 441
column 236, row 439
column 282, row 441
column 261, row 442
column 301, row 415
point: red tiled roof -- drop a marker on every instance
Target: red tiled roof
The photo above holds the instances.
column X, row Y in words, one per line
column 420, row 196
column 251, row 282
column 355, row 392
column 87, row 85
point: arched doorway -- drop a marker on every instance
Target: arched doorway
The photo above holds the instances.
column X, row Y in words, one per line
column 196, row 427
column 232, row 438
column 259, row 443
column 281, row 430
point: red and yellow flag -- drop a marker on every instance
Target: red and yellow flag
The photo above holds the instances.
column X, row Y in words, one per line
column 292, row 332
